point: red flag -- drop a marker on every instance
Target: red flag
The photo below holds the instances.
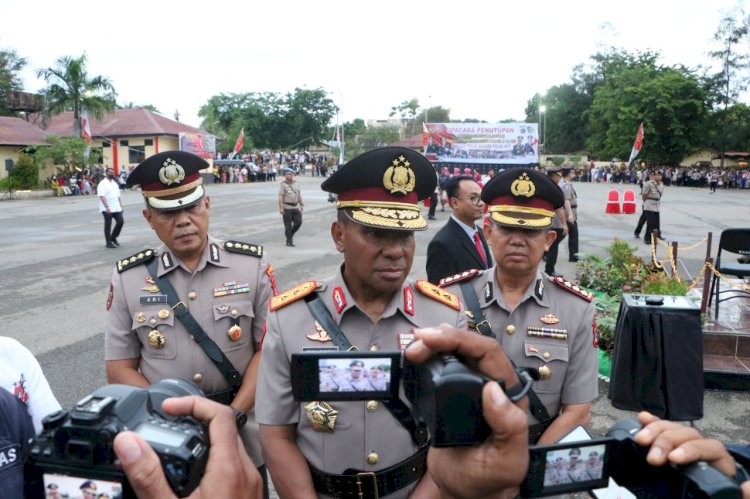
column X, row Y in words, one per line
column 240, row 141
column 637, row 144
column 425, row 135
column 85, row 127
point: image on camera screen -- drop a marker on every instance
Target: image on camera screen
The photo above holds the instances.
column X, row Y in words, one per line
column 60, row 486
column 372, row 374
column 574, row 465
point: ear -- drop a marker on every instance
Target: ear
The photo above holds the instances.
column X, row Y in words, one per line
column 550, row 238
column 338, row 234
column 207, row 201
column 487, row 229
column 147, row 215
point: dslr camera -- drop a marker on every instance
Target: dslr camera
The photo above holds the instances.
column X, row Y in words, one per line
column 74, row 452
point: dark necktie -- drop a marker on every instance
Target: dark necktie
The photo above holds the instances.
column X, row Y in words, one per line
column 480, row 249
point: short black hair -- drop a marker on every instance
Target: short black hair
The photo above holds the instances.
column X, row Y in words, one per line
column 451, row 187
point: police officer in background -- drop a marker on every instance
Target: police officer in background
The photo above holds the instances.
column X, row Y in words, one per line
column 559, row 226
column 571, row 211
column 541, row 322
column 290, row 205
column 319, row 448
column 195, row 295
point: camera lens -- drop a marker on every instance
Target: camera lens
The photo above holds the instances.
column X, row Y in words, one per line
column 171, row 387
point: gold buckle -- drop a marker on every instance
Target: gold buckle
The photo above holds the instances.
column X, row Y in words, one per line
column 174, row 307
column 371, row 475
column 476, row 326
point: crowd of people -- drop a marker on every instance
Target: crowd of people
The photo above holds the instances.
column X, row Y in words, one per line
column 264, row 166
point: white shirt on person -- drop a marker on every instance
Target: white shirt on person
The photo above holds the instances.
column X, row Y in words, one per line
column 111, row 192
column 21, row 375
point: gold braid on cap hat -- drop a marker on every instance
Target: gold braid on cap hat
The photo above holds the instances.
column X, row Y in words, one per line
column 509, row 208
column 386, row 214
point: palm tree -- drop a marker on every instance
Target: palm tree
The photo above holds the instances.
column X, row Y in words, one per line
column 71, row 89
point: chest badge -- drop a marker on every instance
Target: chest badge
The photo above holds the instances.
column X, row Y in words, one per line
column 156, row 339
column 321, row 416
column 549, row 319
column 404, row 340
column 141, row 317
column 223, row 308
column 320, row 334
column 545, row 372
column 234, row 333
column 151, row 289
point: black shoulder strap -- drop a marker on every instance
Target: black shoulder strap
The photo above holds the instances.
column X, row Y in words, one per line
column 397, row 407
column 211, row 349
column 483, row 326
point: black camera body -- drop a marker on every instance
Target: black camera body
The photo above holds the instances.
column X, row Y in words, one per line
column 78, row 442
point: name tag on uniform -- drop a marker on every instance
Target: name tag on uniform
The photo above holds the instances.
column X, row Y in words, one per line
column 151, row 299
column 320, row 349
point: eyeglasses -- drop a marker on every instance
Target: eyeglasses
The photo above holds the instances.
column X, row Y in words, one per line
column 475, row 199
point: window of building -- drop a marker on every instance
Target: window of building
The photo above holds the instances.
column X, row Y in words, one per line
column 124, row 143
column 148, row 142
column 136, row 154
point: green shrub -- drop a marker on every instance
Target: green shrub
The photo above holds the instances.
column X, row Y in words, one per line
column 25, row 173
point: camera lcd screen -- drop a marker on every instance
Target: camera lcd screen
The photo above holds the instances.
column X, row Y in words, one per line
column 158, row 435
column 345, row 375
column 59, row 486
column 565, row 468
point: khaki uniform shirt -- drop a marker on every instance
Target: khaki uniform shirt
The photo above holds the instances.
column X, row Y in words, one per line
column 289, row 194
column 572, row 362
column 358, row 431
column 133, row 311
column 570, row 195
column 651, row 194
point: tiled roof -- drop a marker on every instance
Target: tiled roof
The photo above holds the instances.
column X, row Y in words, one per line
column 19, row 132
column 122, row 123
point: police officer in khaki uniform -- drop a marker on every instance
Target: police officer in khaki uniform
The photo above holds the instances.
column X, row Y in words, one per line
column 225, row 286
column 290, row 205
column 318, row 448
column 541, row 322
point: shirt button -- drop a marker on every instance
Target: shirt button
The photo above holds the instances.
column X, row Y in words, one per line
column 234, row 312
column 152, row 321
column 372, row 458
column 510, row 329
column 372, row 405
column 192, row 295
column 373, row 348
column 197, row 377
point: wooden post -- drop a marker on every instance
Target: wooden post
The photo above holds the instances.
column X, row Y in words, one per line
column 707, row 275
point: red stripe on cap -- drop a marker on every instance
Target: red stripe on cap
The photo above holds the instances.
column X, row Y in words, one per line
column 158, row 186
column 376, row 194
column 535, row 202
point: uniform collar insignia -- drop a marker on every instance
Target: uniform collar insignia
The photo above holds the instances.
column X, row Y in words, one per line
column 339, row 299
column 409, row 300
column 215, row 253
column 539, row 291
column 488, row 292
column 166, row 260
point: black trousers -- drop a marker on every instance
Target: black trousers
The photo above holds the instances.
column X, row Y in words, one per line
column 641, row 223
column 572, row 240
column 292, row 222
column 652, row 224
column 110, row 234
column 549, row 266
column 433, row 205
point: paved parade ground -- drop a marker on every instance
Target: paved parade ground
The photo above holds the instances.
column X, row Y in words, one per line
column 55, row 269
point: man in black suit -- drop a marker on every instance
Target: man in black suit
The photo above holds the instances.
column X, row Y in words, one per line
column 459, row 245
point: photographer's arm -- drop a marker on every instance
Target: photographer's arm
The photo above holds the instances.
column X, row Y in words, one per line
column 682, row 445
column 288, row 467
column 125, row 372
column 497, row 467
column 571, row 416
column 229, row 472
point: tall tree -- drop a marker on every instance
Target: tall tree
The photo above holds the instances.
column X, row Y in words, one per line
column 564, row 117
column 671, row 102
column 731, row 38
column 10, row 67
column 71, row 89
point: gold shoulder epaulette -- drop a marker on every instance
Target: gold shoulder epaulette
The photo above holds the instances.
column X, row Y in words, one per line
column 293, row 294
column 461, row 276
column 441, row 295
column 573, row 288
column 139, row 258
column 244, row 248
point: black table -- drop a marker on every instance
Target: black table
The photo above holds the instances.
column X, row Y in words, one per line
column 657, row 362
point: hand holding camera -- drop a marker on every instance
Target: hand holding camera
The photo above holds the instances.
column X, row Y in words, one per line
column 229, row 472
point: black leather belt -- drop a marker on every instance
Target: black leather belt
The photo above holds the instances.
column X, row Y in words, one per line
column 224, row 396
column 368, row 485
